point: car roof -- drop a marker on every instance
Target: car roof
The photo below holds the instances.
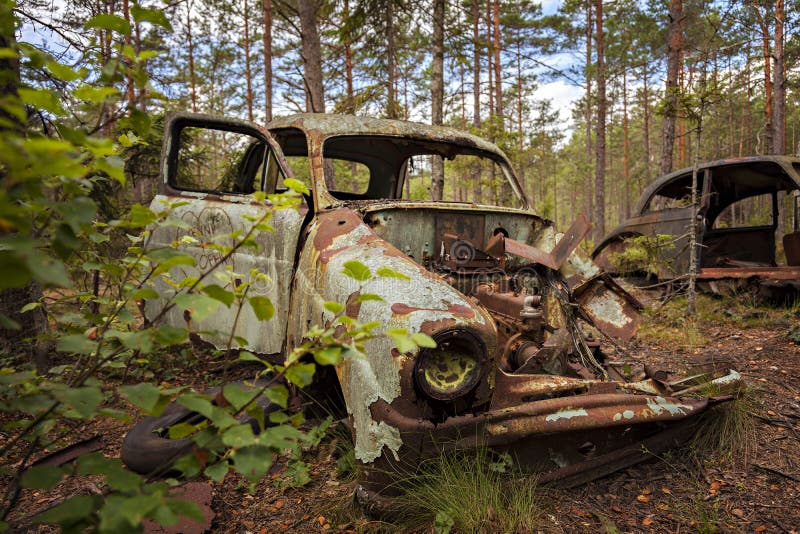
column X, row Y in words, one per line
column 788, row 164
column 331, row 125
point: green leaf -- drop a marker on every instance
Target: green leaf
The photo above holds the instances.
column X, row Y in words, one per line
column 189, row 465
column 262, row 307
column 78, row 212
column 8, row 53
column 247, row 356
column 15, row 271
column 253, row 462
column 169, row 336
column 76, row 344
column 79, row 403
column 144, row 293
column 216, row 415
column 122, row 513
column 175, row 259
column 386, row 272
column 200, row 306
column 94, row 95
column 62, row 72
column 217, row 471
column 278, row 395
column 48, row 271
column 403, row 343
column 366, row 297
column 43, row 99
column 186, row 509
column 218, row 293
column 30, row 306
column 164, row 516
column 301, row 374
column 181, row 430
column 282, row 437
column 138, row 121
column 296, row 185
column 423, row 340
column 154, row 16
column 333, row 307
column 328, row 355
column 239, row 436
column 70, row 511
column 65, row 242
column 113, row 167
column 113, row 23
column 356, row 270
column 139, row 217
column 8, row 323
column 297, row 473
column 41, row 476
column 145, row 396
column 239, row 396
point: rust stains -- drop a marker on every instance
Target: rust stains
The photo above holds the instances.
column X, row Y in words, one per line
column 456, row 309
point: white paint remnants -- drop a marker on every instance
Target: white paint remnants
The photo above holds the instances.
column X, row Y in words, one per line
column 567, row 413
column 660, row 404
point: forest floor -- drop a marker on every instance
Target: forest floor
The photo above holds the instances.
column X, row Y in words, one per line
column 754, row 489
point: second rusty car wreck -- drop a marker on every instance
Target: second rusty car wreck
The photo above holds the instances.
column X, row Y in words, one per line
column 517, row 310
column 738, row 215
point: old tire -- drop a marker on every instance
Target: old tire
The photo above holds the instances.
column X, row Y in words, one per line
column 147, row 448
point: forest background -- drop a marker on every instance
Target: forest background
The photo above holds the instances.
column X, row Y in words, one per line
column 651, row 75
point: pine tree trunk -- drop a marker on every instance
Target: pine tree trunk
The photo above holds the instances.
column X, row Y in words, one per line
column 437, row 94
column 247, row 71
column 646, row 132
column 626, row 173
column 130, row 87
column 348, row 62
column 765, row 51
column 392, row 110
column 498, row 85
column 779, row 84
column 520, row 133
column 312, row 56
column 589, row 204
column 492, row 184
column 192, row 76
column 600, row 130
column 476, row 93
column 674, row 47
column 33, row 323
column 267, row 38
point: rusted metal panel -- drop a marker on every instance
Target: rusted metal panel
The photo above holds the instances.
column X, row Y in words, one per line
column 570, row 240
column 612, row 309
column 768, row 273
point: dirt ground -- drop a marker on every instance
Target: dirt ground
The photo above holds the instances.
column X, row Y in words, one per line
column 755, row 490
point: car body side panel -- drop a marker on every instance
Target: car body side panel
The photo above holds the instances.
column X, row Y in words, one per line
column 207, row 218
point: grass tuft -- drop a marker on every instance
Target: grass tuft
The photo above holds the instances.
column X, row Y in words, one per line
column 474, row 491
column 727, row 432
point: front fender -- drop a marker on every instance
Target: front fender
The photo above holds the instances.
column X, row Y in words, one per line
column 422, row 303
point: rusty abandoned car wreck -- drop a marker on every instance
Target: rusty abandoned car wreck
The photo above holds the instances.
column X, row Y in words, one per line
column 737, row 216
column 517, row 309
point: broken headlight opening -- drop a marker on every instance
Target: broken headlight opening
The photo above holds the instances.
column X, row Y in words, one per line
column 453, row 368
